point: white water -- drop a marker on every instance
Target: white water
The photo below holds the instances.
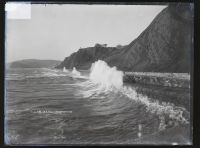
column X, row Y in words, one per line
column 104, row 103
column 156, row 107
column 110, row 77
column 65, row 70
column 75, row 72
column 106, row 76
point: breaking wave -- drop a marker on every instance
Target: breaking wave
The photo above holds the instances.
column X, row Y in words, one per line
column 75, row 72
column 172, row 112
column 105, row 79
column 65, row 70
column 95, row 100
column 106, row 76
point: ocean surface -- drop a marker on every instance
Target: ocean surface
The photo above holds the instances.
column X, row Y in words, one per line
column 49, row 106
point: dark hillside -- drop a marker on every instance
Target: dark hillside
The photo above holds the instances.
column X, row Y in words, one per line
column 164, row 46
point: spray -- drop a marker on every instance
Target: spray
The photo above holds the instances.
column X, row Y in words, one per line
column 106, row 76
column 75, row 72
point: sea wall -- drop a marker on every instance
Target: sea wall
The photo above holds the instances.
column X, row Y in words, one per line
column 163, row 79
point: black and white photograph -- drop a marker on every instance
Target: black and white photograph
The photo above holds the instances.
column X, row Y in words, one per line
column 98, row 74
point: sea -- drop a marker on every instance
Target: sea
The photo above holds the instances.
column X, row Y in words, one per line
column 48, row 106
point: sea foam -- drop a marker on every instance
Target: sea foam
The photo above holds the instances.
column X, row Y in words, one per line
column 65, row 70
column 75, row 72
column 110, row 77
column 106, row 76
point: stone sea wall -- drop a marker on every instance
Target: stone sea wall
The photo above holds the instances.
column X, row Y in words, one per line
column 162, row 79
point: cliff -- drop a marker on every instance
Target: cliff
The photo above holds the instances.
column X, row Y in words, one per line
column 164, row 46
column 83, row 58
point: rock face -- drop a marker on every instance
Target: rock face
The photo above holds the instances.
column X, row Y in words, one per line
column 34, row 63
column 164, row 46
column 83, row 58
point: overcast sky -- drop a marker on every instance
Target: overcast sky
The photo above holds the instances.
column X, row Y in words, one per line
column 55, row 31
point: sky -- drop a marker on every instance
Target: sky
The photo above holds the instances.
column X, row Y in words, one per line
column 38, row 31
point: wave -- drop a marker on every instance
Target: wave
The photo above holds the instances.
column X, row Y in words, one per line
column 17, row 111
column 39, row 111
column 38, row 73
column 104, row 79
column 44, row 73
column 51, row 112
column 93, row 90
column 47, row 74
column 75, row 72
column 107, row 76
column 65, row 70
column 169, row 110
